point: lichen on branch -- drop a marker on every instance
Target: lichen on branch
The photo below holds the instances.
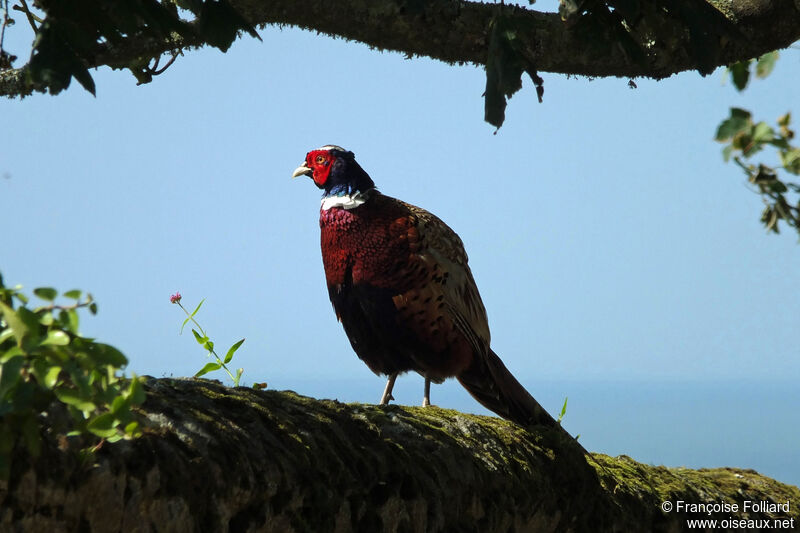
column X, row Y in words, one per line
column 235, row 459
column 598, row 38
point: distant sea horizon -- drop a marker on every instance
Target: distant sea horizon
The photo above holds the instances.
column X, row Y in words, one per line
column 747, row 424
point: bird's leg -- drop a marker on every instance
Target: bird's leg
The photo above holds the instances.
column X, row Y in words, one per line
column 426, row 398
column 387, row 392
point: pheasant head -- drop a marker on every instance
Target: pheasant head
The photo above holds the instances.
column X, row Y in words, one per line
column 335, row 171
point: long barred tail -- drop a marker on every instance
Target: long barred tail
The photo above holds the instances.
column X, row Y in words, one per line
column 490, row 382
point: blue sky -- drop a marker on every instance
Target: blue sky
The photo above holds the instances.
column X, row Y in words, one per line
column 611, row 244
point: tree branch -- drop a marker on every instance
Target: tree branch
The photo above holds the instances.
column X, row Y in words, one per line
column 214, row 458
column 458, row 32
column 455, row 31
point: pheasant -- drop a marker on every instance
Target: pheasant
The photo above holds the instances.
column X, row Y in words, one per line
column 400, row 284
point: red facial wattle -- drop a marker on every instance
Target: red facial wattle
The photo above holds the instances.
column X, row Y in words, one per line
column 320, row 162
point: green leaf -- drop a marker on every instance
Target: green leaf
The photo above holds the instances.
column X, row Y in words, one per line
column 22, row 322
column 779, row 142
column 231, row 351
column 54, row 61
column 46, row 319
column 738, row 112
column 726, row 153
column 769, row 217
column 70, row 319
column 106, row 354
column 131, row 428
column 738, row 121
column 74, row 398
column 218, row 23
column 239, row 372
column 10, row 375
column 80, row 380
column 11, row 352
column 740, row 74
column 50, row 377
column 791, row 161
column 563, row 409
column 136, row 391
column 209, row 367
column 503, row 72
column 5, row 334
column 120, row 405
column 46, row 293
column 191, row 315
column 762, row 133
column 777, row 186
column 201, row 340
column 763, row 175
column 56, row 337
column 45, row 372
column 74, row 294
column 20, row 399
column 765, row 64
column 196, row 309
column 103, row 425
column 93, row 308
column 741, row 141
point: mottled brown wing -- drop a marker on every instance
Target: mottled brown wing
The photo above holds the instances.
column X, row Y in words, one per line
column 442, row 305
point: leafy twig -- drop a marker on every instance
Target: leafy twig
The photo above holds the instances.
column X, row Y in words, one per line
column 745, row 138
column 45, row 361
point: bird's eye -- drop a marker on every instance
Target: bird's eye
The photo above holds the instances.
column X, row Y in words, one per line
column 320, row 159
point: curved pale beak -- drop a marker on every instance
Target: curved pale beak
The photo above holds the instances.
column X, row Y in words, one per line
column 302, row 170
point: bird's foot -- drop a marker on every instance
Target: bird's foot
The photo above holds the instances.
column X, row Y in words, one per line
column 426, row 398
column 387, row 392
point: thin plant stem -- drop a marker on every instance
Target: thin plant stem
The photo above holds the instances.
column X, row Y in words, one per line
column 211, row 351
